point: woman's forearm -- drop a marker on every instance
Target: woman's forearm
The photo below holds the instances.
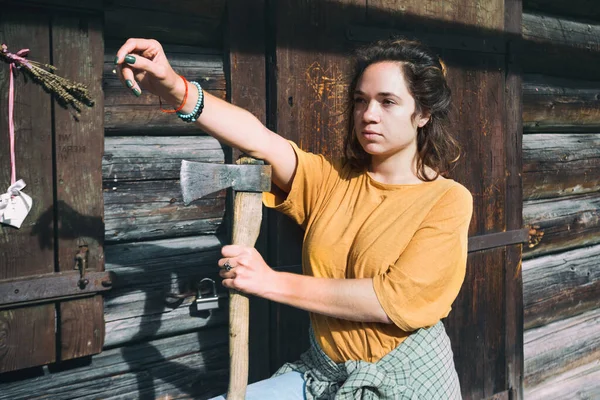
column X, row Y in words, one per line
column 224, row 121
column 350, row 299
column 238, row 128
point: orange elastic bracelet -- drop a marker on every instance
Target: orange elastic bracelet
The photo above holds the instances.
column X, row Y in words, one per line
column 182, row 103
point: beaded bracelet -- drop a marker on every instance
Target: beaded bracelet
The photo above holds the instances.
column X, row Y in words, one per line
column 193, row 116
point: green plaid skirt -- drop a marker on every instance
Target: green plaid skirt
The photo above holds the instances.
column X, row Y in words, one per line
column 421, row 367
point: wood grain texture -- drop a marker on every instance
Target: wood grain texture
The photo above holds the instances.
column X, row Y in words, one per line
column 489, row 14
column 558, row 165
column 166, row 27
column 578, row 9
column 578, row 383
column 135, row 158
column 247, row 70
column 560, row 47
column 20, row 345
column 476, row 326
column 28, row 250
column 558, row 286
column 513, row 299
column 561, row 224
column 560, row 346
column 185, row 366
column 78, row 51
column 139, row 308
column 155, row 209
column 560, row 105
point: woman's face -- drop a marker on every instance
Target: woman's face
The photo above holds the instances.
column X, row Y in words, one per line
column 383, row 111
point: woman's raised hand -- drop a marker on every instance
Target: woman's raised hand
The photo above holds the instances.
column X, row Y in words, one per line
column 142, row 65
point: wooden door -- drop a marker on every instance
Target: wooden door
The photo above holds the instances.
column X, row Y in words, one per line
column 58, row 155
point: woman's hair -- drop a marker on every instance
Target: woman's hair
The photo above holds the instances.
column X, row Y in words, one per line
column 425, row 77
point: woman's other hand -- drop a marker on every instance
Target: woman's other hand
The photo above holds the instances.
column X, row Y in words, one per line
column 247, row 272
column 142, row 65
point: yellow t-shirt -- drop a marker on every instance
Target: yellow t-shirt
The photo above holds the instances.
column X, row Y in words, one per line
column 411, row 239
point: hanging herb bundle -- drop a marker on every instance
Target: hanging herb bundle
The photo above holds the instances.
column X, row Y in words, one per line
column 67, row 93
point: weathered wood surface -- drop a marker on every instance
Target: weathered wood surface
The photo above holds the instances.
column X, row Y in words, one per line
column 576, row 384
column 155, row 209
column 184, row 366
column 159, row 22
column 578, row 9
column 126, row 113
column 557, row 165
column 560, row 346
column 513, row 279
column 247, row 42
column 558, row 286
column 561, row 224
column 139, row 306
column 20, row 347
column 560, row 105
column 134, row 158
column 560, row 47
column 142, row 195
column 78, row 51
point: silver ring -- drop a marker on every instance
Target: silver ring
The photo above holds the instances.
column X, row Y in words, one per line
column 227, row 266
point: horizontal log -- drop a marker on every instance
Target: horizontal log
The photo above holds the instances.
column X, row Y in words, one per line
column 209, row 9
column 560, row 285
column 122, row 22
column 129, row 158
column 585, row 9
column 556, row 165
column 560, row 346
column 576, row 384
column 139, row 306
column 193, row 365
column 561, row 224
column 560, row 105
column 560, row 47
column 126, row 113
column 155, row 209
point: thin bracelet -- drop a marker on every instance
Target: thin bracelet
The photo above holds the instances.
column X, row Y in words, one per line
column 182, row 103
column 193, row 116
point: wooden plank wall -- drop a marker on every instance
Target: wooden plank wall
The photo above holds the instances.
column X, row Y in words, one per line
column 561, row 191
column 155, row 345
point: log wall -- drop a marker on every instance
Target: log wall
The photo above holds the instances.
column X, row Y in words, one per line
column 561, row 192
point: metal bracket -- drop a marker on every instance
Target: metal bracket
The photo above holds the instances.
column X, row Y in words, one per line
column 52, row 287
column 500, row 239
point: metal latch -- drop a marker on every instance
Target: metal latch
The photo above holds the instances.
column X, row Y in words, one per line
column 207, row 297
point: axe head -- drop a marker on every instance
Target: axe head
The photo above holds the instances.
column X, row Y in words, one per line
column 199, row 179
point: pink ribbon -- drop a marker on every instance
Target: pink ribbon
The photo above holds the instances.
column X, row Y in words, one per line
column 11, row 99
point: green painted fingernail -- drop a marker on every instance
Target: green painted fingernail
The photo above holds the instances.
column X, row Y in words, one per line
column 136, row 92
column 129, row 59
column 116, row 60
column 129, row 83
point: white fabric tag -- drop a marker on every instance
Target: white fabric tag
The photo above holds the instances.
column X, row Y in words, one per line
column 14, row 205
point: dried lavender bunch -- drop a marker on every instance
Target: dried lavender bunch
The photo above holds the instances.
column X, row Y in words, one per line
column 67, row 93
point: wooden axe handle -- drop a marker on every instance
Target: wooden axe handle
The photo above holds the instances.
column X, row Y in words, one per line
column 247, row 215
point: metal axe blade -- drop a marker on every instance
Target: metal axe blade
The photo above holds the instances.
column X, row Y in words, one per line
column 199, row 179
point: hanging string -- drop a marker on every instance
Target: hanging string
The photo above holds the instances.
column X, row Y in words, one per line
column 11, row 122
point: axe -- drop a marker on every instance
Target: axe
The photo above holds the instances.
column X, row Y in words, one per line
column 248, row 178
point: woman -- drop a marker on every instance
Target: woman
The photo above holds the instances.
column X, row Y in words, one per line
column 385, row 247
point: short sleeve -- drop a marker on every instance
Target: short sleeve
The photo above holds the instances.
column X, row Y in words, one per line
column 312, row 172
column 420, row 287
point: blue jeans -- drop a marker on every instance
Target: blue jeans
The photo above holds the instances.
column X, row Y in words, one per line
column 289, row 386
